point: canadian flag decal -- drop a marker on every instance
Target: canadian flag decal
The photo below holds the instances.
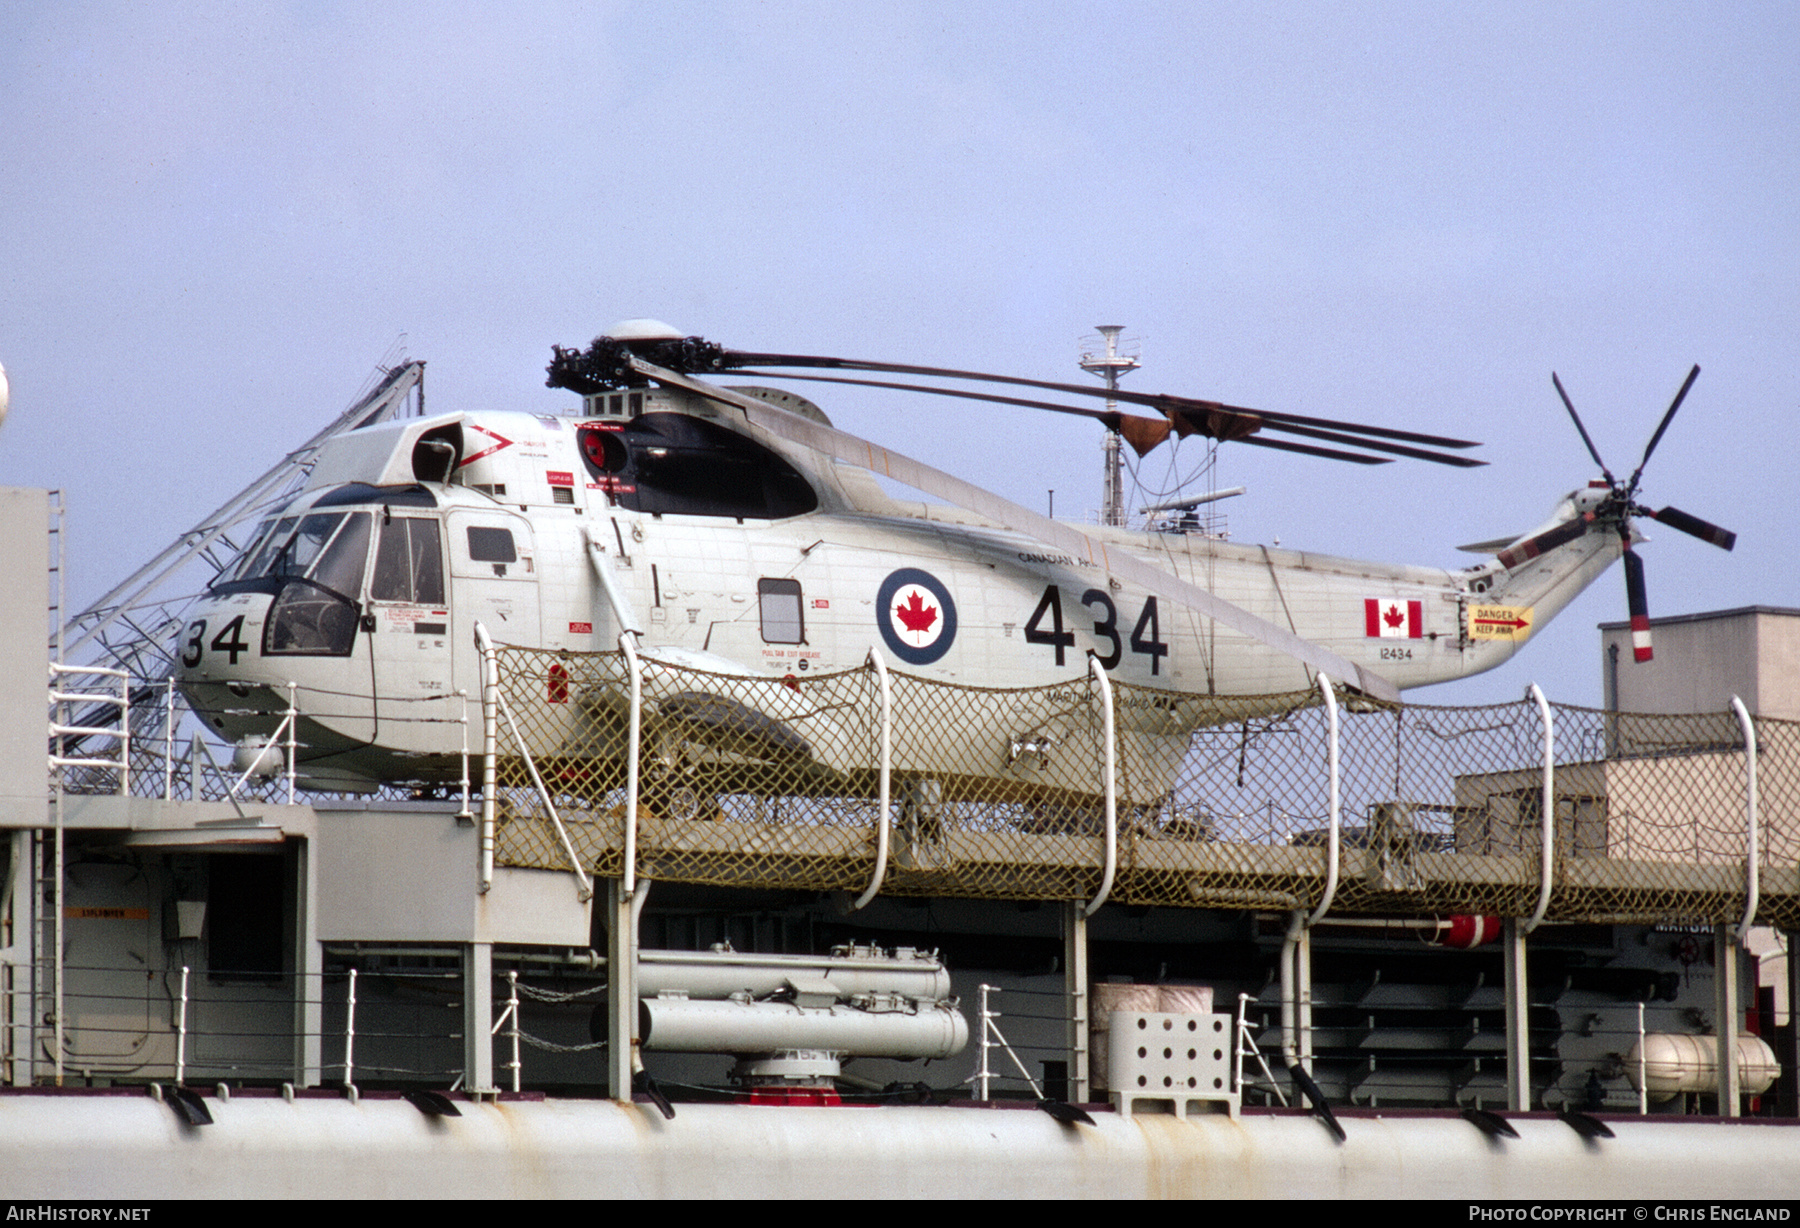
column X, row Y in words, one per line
column 1390, row 618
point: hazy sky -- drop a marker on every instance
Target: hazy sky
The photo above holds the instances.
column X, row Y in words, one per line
column 216, row 218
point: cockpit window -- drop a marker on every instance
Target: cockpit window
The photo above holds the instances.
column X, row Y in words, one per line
column 409, row 565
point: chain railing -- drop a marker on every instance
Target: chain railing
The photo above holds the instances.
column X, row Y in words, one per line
column 180, row 763
column 401, row 1027
column 380, row 1026
column 997, row 1056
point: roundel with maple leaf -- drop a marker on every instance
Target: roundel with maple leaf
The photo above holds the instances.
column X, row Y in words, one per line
column 916, row 616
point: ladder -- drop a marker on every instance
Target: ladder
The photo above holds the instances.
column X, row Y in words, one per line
column 47, row 854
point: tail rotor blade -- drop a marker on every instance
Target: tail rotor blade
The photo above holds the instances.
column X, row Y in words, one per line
column 1638, row 604
column 1525, row 551
column 1693, row 526
column 1664, row 424
column 1570, row 406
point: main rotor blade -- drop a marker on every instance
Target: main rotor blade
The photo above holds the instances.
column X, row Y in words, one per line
column 1463, row 462
column 1143, row 433
column 1153, row 400
column 1128, row 567
column 1282, row 445
column 1693, row 526
column 1592, row 451
column 1663, row 426
column 1638, row 605
column 1168, row 402
column 1136, row 428
column 1530, row 548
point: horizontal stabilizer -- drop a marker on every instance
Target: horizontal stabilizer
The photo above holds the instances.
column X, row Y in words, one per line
column 1492, row 546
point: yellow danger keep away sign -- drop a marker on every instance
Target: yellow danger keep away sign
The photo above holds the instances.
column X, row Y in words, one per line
column 1500, row 622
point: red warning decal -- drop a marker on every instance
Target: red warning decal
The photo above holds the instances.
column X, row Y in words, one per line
column 500, row 441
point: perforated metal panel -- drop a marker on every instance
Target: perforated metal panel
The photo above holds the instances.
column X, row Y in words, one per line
column 1177, row 1064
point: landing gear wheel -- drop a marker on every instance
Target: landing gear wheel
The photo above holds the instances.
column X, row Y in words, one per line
column 683, row 803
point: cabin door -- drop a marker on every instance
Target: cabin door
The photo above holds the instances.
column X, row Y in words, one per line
column 408, row 623
column 493, row 581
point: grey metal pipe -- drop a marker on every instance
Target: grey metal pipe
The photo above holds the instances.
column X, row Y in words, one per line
column 609, row 584
column 716, row 974
column 682, row 1025
column 1290, row 988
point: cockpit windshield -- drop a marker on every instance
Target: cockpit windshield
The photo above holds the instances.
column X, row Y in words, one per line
column 328, row 548
column 318, row 568
column 338, row 550
column 254, row 561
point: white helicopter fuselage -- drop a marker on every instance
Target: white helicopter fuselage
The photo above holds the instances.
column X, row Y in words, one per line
column 738, row 552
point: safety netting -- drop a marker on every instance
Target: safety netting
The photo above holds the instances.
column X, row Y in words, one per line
column 1219, row 801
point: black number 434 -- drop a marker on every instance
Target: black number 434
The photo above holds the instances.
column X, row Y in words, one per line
column 1146, row 634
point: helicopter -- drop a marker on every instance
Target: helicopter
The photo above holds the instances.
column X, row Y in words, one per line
column 736, row 531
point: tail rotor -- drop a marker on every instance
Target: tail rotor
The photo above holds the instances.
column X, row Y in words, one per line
column 1615, row 510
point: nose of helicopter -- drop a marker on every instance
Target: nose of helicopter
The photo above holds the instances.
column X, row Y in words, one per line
column 220, row 666
column 222, row 638
column 221, row 641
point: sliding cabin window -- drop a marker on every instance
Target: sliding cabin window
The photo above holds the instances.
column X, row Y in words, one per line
column 782, row 620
